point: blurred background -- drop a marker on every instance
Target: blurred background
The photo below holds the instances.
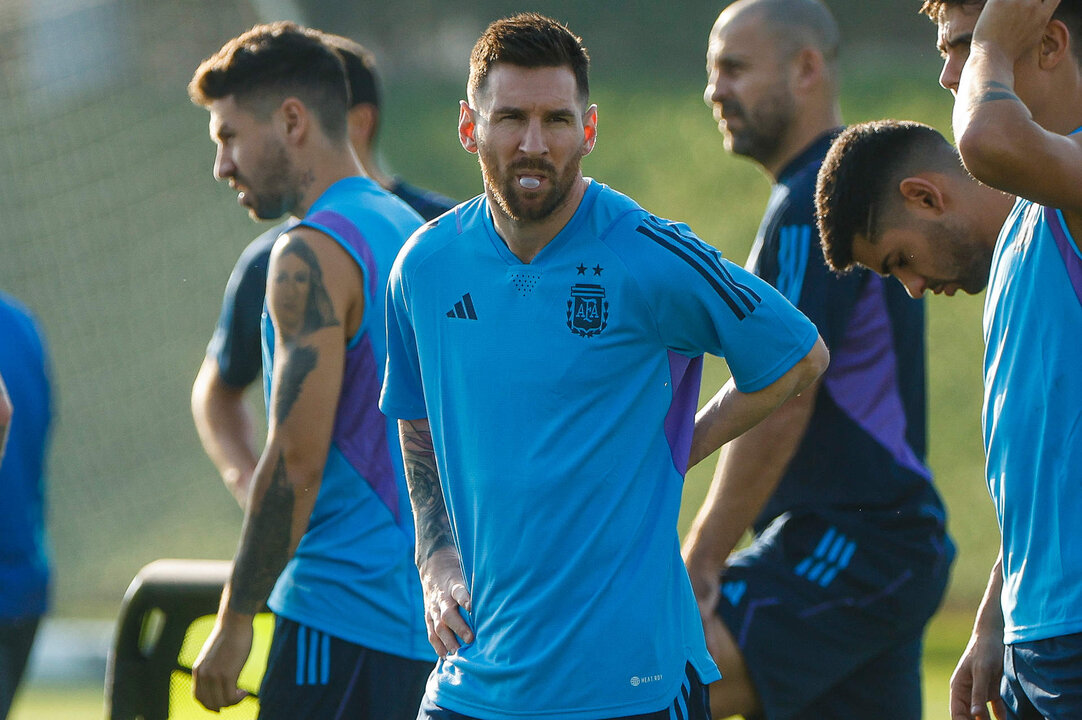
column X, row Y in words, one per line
column 117, row 236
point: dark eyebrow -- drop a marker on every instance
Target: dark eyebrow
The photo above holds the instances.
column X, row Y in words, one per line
column 561, row 114
column 963, row 39
column 222, row 130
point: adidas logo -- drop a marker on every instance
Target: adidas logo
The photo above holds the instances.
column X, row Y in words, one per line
column 463, row 309
column 831, row 556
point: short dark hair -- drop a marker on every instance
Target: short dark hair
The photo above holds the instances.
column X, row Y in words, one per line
column 529, row 40
column 855, row 189
column 360, row 70
column 934, row 8
column 1069, row 13
column 263, row 66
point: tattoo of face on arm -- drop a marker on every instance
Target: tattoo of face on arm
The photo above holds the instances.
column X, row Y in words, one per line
column 264, row 550
column 426, row 494
column 996, row 91
column 301, row 305
column 301, row 302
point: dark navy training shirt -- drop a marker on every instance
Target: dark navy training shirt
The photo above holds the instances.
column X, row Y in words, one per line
column 865, row 445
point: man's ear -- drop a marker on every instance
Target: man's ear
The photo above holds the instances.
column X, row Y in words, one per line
column 922, row 195
column 363, row 120
column 295, row 119
column 589, row 130
column 466, row 127
column 1055, row 44
column 808, row 68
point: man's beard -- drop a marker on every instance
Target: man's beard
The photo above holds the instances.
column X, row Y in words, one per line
column 970, row 261
column 279, row 194
column 520, row 204
column 763, row 127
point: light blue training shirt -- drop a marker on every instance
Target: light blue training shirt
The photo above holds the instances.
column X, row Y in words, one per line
column 1033, row 420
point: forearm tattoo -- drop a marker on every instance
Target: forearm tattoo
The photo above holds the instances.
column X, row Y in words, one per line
column 426, row 495
column 301, row 361
column 265, row 545
column 996, row 91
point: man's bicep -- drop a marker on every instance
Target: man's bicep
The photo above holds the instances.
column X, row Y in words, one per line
column 1005, row 148
column 1047, row 171
column 306, row 301
column 1064, row 176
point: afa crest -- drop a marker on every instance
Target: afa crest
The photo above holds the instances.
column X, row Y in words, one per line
column 587, row 310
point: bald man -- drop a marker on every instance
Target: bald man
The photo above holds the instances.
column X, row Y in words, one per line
column 823, row 615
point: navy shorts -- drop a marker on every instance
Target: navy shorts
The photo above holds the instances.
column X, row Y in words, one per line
column 829, row 610
column 1043, row 679
column 692, row 703
column 314, row 675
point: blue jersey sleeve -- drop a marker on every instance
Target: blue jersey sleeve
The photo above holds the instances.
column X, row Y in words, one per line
column 235, row 344
column 402, row 395
column 704, row 303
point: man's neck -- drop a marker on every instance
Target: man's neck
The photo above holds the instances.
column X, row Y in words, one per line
column 526, row 239
column 321, row 174
column 373, row 170
column 809, row 124
column 990, row 212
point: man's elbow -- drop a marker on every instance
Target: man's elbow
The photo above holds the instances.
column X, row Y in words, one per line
column 301, row 466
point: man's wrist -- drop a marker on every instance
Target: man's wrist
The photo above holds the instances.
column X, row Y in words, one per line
column 231, row 614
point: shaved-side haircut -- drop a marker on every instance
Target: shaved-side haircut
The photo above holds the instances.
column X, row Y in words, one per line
column 856, row 192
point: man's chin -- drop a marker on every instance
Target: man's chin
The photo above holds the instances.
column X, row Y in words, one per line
column 975, row 288
column 523, row 209
column 264, row 214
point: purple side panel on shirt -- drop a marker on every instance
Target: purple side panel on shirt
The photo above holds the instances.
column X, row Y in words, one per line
column 686, row 374
column 1071, row 260
column 360, row 429
column 862, row 377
